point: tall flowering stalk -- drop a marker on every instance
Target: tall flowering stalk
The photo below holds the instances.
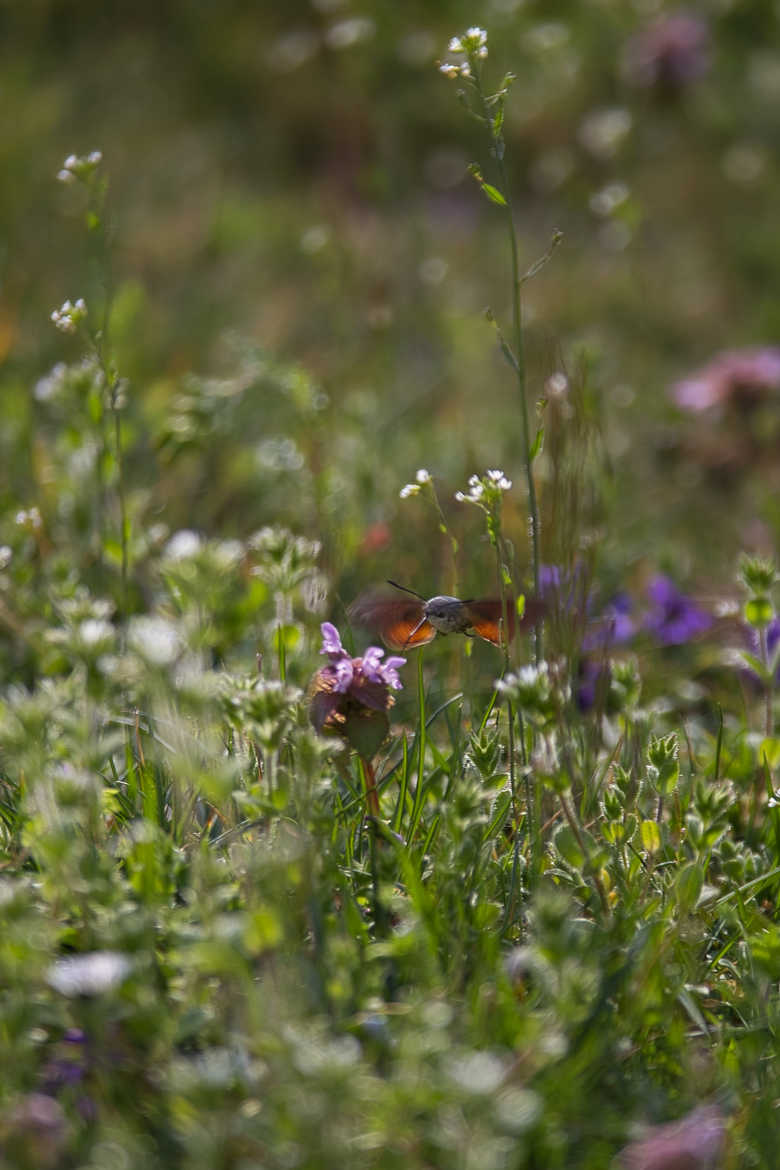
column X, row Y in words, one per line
column 471, row 50
column 86, row 171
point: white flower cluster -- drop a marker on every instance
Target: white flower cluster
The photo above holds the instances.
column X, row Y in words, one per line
column 68, row 317
column 449, row 69
column 499, row 480
column 472, row 45
column 473, row 41
column 79, row 166
column 411, row 489
column 493, row 482
column 474, row 494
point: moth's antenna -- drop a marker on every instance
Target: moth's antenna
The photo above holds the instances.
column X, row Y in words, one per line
column 404, row 589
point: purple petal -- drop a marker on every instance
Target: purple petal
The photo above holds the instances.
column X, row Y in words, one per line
column 675, row 618
column 344, row 673
column 331, row 641
column 370, row 664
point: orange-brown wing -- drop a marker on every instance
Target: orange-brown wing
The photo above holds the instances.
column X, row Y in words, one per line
column 400, row 622
column 486, row 617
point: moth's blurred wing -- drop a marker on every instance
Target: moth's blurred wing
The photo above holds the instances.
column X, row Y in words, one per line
column 486, row 617
column 399, row 622
column 405, row 635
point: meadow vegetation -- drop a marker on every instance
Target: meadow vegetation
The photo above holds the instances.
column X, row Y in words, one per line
column 317, row 297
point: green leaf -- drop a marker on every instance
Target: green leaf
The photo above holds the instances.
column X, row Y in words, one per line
column 500, row 813
column 569, row 848
column 537, row 444
column 494, row 195
column 650, row 836
column 688, row 886
column 756, row 665
column 769, row 751
column 366, row 731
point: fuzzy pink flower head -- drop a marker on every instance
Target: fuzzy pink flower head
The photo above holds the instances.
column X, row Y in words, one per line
column 696, row 1142
column 744, row 375
column 668, row 54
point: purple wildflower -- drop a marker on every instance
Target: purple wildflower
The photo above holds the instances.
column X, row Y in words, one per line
column 614, row 627
column 754, row 640
column 566, row 590
column 592, row 683
column 740, row 375
column 668, row 54
column 35, row 1132
column 348, row 690
column 549, row 579
column 696, row 1142
column 674, row 618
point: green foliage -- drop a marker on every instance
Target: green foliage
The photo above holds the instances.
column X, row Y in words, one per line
column 495, row 919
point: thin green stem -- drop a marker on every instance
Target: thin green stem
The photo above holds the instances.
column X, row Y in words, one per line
column 121, row 497
column 419, row 794
column 533, row 506
column 519, row 352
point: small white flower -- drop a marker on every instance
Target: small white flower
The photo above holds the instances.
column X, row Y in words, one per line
column 499, row 480
column 409, row 489
column 423, row 476
column 557, row 385
column 69, row 316
column 475, row 492
column 473, row 41
column 79, row 166
column 93, row 631
column 88, row 974
column 183, row 544
column 51, row 384
column 29, row 518
column 155, row 639
column 450, row 69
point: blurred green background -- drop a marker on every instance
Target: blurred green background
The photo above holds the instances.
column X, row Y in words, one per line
column 302, row 264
